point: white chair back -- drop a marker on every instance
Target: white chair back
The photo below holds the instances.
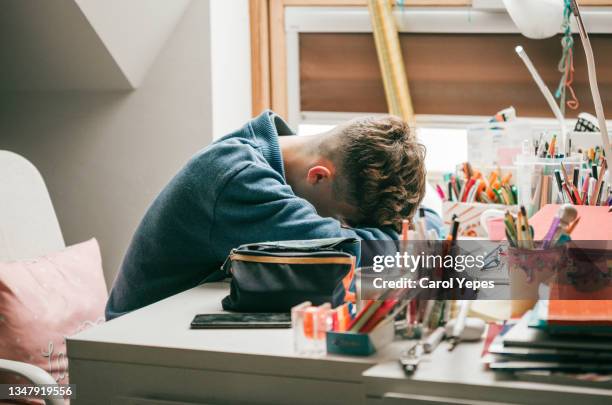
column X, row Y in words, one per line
column 28, row 224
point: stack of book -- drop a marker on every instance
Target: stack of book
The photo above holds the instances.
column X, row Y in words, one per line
column 558, row 342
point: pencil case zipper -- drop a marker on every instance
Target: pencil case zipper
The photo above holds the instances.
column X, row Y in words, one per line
column 337, row 258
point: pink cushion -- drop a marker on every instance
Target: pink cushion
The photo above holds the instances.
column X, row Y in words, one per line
column 44, row 300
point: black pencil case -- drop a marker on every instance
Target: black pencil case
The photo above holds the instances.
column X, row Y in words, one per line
column 275, row 276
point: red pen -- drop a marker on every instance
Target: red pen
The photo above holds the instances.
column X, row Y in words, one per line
column 468, row 186
column 569, row 194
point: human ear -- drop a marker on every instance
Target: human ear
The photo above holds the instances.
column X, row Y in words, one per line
column 317, row 173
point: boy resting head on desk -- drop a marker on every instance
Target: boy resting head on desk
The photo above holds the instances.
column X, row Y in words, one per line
column 260, row 183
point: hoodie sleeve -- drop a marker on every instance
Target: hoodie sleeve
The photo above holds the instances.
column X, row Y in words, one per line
column 256, row 205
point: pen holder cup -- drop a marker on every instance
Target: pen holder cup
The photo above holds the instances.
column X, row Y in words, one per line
column 361, row 344
column 528, row 269
column 536, row 183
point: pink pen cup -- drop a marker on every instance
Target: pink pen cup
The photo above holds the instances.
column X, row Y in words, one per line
column 528, row 269
column 496, row 229
column 492, row 221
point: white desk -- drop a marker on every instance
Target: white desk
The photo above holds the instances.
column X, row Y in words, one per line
column 151, row 353
column 151, row 356
column 458, row 377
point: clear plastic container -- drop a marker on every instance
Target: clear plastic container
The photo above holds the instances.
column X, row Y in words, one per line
column 497, row 143
column 310, row 325
column 536, row 183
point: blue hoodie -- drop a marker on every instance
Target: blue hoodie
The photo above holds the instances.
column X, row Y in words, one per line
column 230, row 193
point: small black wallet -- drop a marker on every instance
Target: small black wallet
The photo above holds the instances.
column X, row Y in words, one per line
column 242, row 321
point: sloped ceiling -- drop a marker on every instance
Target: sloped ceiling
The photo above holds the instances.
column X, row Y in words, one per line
column 82, row 44
column 134, row 31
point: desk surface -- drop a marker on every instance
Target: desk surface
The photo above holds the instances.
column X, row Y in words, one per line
column 159, row 334
column 460, row 374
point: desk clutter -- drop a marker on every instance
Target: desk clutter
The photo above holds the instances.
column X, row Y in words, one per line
column 559, row 340
column 542, row 173
column 521, row 235
column 468, row 185
column 498, row 141
column 343, row 330
column 318, row 330
column 547, row 176
column 550, row 167
column 550, row 179
column 469, row 192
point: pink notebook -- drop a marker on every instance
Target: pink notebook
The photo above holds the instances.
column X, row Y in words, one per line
column 595, row 225
column 595, row 222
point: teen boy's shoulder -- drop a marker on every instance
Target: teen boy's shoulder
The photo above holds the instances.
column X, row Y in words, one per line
column 223, row 158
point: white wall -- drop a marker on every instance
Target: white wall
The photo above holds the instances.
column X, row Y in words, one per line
column 106, row 155
column 231, row 64
column 133, row 31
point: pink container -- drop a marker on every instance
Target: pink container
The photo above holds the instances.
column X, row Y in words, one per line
column 496, row 229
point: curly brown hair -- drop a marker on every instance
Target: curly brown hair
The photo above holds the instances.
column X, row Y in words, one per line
column 382, row 170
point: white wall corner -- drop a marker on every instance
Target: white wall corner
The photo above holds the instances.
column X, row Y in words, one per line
column 230, row 65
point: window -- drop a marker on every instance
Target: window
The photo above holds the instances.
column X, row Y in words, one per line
column 446, row 148
column 459, row 62
column 322, row 66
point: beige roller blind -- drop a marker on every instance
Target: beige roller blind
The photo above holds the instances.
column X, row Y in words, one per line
column 465, row 74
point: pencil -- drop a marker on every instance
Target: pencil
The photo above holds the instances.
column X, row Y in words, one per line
column 569, row 194
column 455, row 230
column 551, row 150
column 519, row 233
column 572, row 225
column 510, row 238
column 510, row 229
column 595, row 195
column 405, row 225
column 527, row 227
column 511, row 221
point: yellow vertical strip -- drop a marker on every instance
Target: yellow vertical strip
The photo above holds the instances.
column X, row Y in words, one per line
column 383, row 56
column 390, row 59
